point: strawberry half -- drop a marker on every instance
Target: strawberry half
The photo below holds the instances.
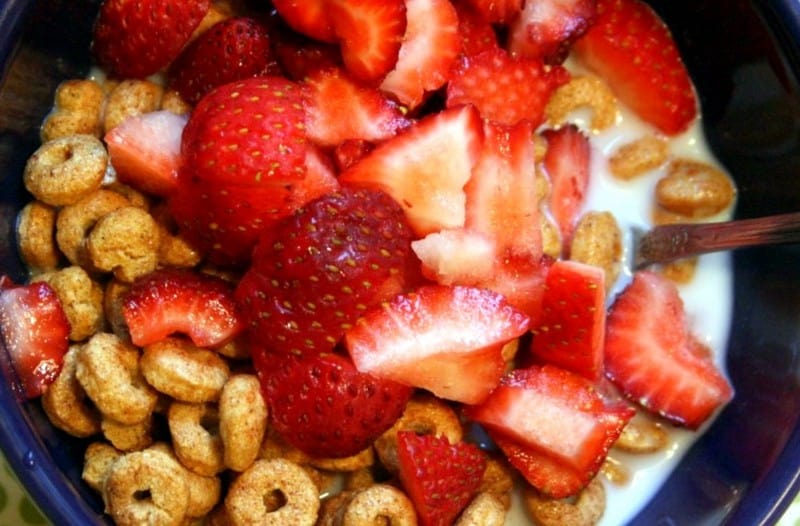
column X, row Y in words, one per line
column 651, row 355
column 35, row 333
column 503, row 87
column 447, row 340
column 632, row 49
column 233, row 49
column 497, row 11
column 440, row 478
column 553, row 425
column 546, row 29
column 316, row 271
column 309, row 17
column 323, row 406
column 477, row 34
column 425, row 168
column 571, row 330
column 145, row 151
column 137, row 38
column 170, row 301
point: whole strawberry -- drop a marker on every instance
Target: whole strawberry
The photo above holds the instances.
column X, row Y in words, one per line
column 233, row 49
column 323, row 406
column 317, row 271
column 137, row 38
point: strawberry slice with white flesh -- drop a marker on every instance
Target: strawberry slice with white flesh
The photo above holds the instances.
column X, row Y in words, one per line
column 554, row 426
column 655, row 360
column 447, row 340
column 425, row 168
column 35, row 332
column 546, row 29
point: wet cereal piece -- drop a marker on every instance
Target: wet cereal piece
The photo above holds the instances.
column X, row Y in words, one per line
column 615, row 471
column 639, row 157
column 598, row 241
column 498, row 480
column 551, row 237
column 36, row 227
column 130, row 98
column 681, row 271
column 585, row 91
column 97, row 460
column 125, row 242
column 642, row 435
column 585, row 509
column 65, row 170
column 694, row 189
column 484, row 510
column 77, row 109
column 180, row 369
column 65, row 402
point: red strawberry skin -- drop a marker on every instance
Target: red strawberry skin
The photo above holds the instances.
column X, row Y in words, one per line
column 35, row 333
column 323, row 406
column 308, row 17
column 318, row 270
column 440, row 478
column 655, row 360
column 633, row 50
column 546, row 29
column 170, row 301
column 233, row 49
column 137, row 38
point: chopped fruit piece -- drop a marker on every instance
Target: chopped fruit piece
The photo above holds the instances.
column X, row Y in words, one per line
column 145, row 151
column 440, row 478
column 456, row 257
column 233, row 49
column 137, row 38
column 477, row 35
column 316, row 271
column 309, row 17
column 35, row 333
column 369, row 114
column 447, row 340
column 497, row 12
column 323, row 406
column 425, row 168
column 553, row 425
column 300, row 57
column 429, row 50
column 521, row 280
column 370, row 33
column 571, row 330
column 631, row 48
column 349, row 152
column 546, row 29
column 651, row 355
column 566, row 163
column 170, row 301
column 504, row 88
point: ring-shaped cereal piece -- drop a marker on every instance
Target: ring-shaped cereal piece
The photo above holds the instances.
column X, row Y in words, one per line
column 180, row 369
column 498, row 480
column 63, row 171
column 81, row 298
column 65, row 404
column 638, row 157
column 694, row 189
column 425, row 415
column 204, row 492
column 131, row 97
column 585, row 509
column 298, row 496
column 484, row 510
column 97, row 460
column 36, row 241
column 128, row 437
column 74, row 222
column 112, row 307
column 108, row 370
column 583, row 91
column 146, row 487
column 379, row 504
column 125, row 242
column 195, row 439
column 362, row 460
column 77, row 109
column 242, row 420
column 642, row 435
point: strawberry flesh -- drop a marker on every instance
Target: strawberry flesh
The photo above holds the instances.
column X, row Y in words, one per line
column 546, row 29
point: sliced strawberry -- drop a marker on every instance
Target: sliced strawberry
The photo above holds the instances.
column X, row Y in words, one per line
column 137, row 38
column 457, row 256
column 497, row 11
column 440, row 478
column 370, row 115
column 323, row 406
column 370, row 33
column 170, row 301
column 651, row 355
column 145, row 151
column 477, row 34
column 553, row 424
column 35, row 332
column 632, row 49
column 571, row 330
column 425, row 168
column 447, row 340
column 233, row 49
column 316, row 271
column 546, row 29
column 300, row 57
column 349, row 152
column 504, row 88
column 566, row 163
column 309, row 17
column 430, row 47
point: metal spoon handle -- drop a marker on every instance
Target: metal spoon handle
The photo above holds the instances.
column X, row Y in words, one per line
column 670, row 242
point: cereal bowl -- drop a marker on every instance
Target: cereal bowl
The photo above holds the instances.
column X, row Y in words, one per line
column 744, row 58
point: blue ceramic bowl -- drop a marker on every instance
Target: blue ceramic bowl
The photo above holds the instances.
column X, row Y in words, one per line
column 745, row 59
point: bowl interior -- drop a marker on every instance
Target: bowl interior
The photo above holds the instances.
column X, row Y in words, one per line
column 744, row 57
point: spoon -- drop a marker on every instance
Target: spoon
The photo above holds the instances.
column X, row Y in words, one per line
column 667, row 243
